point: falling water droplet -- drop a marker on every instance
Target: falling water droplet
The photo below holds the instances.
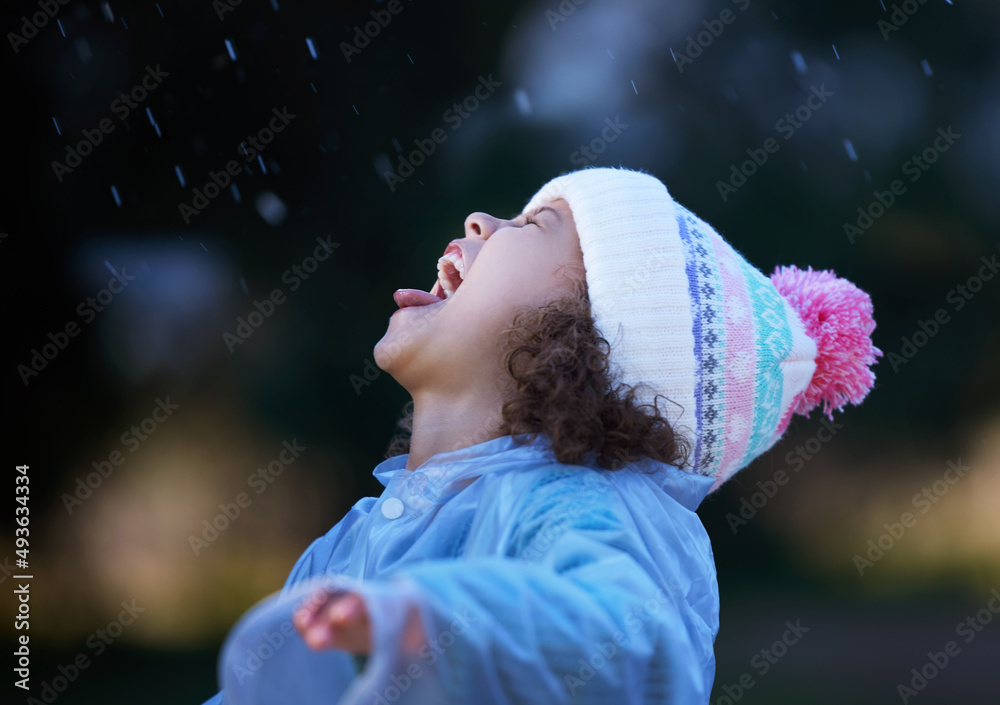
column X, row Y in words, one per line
column 313, row 87
column 231, row 49
column 236, row 193
column 56, row 123
column 849, row 147
column 396, row 145
column 271, row 208
column 312, row 47
column 114, row 192
column 799, row 62
column 180, row 174
column 83, row 50
column 203, row 246
column 109, row 14
column 613, row 56
column 152, row 121
column 59, row 22
column 410, row 58
column 243, row 285
column 355, row 110
column 158, row 8
column 634, row 88
column 926, row 67
column 260, row 160
column 835, row 51
column 274, row 4
column 123, row 21
column 523, row 102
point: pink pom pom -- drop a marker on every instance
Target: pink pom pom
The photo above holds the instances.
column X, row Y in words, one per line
column 838, row 316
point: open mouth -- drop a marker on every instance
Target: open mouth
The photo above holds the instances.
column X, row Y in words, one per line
column 451, row 274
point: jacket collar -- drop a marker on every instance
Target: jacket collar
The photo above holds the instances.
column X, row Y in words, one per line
column 687, row 488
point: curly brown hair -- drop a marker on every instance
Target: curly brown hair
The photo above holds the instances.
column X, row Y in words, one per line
column 562, row 386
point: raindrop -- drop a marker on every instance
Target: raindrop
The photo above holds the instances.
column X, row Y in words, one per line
column 882, row 3
column 613, row 56
column 868, row 175
column 271, row 208
column 236, row 193
column 773, row 15
column 274, row 4
column 634, row 88
column 800, row 63
column 523, row 102
column 243, row 285
column 803, row 165
column 731, row 95
column 312, row 47
column 355, row 110
column 382, row 164
column 203, row 246
column 114, row 192
column 110, row 268
column 313, row 87
column 835, row 51
column 672, row 55
column 260, row 160
column 109, row 15
column 54, row 122
column 926, row 67
column 851, row 154
column 152, row 121
column 231, row 49
column 396, row 145
column 123, row 22
column 59, row 22
column 83, row 50
column 180, row 174
column 410, row 58
column 158, row 8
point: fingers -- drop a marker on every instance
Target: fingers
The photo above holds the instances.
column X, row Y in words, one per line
column 334, row 620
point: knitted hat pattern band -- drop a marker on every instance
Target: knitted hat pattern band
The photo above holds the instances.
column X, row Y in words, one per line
column 736, row 353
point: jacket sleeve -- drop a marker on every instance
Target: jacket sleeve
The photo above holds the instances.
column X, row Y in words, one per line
column 568, row 614
column 313, row 562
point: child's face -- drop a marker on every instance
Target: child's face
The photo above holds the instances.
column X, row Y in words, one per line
column 449, row 341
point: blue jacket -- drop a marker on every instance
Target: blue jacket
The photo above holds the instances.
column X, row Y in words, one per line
column 495, row 574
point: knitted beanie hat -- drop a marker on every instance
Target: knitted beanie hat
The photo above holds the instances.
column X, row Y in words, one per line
column 736, row 353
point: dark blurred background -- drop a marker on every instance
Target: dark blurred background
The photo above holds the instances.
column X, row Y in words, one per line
column 691, row 87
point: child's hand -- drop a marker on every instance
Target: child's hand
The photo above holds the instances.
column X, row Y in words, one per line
column 334, row 620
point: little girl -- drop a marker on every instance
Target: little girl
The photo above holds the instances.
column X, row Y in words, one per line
column 582, row 377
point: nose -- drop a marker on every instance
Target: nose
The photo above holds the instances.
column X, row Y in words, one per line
column 481, row 225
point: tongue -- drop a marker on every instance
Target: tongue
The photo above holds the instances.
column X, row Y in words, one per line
column 414, row 297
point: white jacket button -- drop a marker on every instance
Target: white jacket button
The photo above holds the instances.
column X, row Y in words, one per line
column 392, row 508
